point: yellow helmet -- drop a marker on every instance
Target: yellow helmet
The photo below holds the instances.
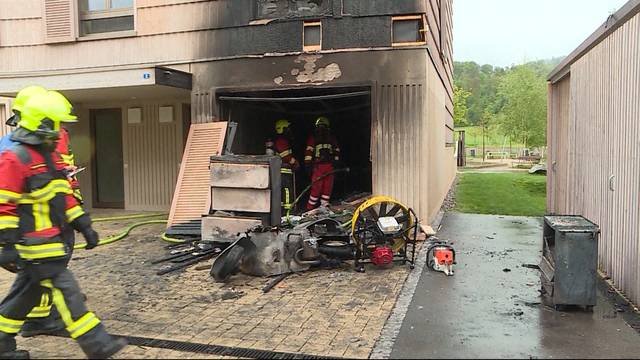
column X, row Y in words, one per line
column 281, row 125
column 43, row 113
column 21, row 98
column 323, row 121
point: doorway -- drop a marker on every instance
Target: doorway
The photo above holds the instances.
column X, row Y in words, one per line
column 107, row 159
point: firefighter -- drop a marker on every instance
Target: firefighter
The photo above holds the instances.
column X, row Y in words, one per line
column 281, row 145
column 36, row 205
column 321, row 153
column 45, row 319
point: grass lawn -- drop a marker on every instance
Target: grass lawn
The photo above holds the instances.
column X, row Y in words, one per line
column 520, row 194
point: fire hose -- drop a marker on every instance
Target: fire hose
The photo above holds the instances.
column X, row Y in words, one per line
column 126, row 231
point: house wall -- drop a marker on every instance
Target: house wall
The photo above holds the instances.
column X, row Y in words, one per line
column 411, row 158
column 601, row 138
column 152, row 153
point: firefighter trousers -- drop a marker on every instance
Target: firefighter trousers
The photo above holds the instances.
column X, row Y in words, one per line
column 26, row 293
column 321, row 189
column 287, row 183
column 44, row 314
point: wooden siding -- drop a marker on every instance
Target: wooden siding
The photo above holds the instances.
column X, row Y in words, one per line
column 603, row 172
column 408, row 145
column 193, row 190
column 152, row 153
column 557, row 135
column 5, row 112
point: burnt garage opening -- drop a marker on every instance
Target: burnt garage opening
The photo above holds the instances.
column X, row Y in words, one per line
column 348, row 108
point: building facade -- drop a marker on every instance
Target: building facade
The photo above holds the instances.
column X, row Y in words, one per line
column 141, row 71
column 594, row 106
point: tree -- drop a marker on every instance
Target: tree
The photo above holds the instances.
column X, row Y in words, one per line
column 460, row 109
column 522, row 103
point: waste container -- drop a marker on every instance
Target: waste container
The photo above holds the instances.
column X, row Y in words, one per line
column 569, row 264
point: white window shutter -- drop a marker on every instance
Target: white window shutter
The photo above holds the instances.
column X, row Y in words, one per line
column 59, row 21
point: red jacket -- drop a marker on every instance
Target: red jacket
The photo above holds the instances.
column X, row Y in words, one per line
column 282, row 147
column 320, row 151
column 35, row 202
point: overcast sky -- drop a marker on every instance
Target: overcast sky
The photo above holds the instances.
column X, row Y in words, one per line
column 507, row 32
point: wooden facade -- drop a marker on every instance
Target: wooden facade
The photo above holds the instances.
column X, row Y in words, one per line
column 593, row 144
column 236, row 43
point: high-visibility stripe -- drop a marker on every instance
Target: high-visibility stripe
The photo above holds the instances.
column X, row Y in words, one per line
column 7, row 196
column 40, row 312
column 68, row 159
column 285, row 153
column 44, row 251
column 38, row 166
column 49, row 192
column 41, row 216
column 310, row 148
column 10, row 326
column 83, row 325
column 308, row 158
column 9, row 222
column 75, row 328
column 74, row 213
column 286, row 171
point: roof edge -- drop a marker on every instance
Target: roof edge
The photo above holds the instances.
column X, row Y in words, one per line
column 626, row 12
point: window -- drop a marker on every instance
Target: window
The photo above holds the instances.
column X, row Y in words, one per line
column 408, row 30
column 105, row 16
column 312, row 36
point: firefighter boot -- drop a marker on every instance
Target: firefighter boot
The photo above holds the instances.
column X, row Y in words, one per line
column 8, row 349
column 50, row 325
column 98, row 344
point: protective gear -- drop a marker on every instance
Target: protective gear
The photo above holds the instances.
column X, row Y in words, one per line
column 323, row 121
column 68, row 160
column 9, row 258
column 91, row 237
column 36, row 200
column 321, row 152
column 281, row 126
column 20, row 100
column 8, row 350
column 282, row 146
column 43, row 113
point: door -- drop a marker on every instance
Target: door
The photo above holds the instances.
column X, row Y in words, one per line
column 107, row 162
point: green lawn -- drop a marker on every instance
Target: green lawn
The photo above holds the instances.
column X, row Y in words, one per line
column 473, row 138
column 520, row 194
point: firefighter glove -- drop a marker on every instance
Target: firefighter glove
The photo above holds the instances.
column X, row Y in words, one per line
column 91, row 237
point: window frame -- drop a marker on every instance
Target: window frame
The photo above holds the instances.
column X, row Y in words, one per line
column 424, row 30
column 311, row 23
column 85, row 15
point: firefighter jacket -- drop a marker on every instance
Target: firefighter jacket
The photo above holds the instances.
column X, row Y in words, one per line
column 36, row 202
column 321, row 150
column 282, row 146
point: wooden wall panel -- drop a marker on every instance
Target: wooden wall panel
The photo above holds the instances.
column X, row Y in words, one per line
column 601, row 143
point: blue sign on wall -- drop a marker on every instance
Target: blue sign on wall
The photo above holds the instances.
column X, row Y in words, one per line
column 146, row 76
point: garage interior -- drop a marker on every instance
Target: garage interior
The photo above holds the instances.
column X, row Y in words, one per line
column 348, row 108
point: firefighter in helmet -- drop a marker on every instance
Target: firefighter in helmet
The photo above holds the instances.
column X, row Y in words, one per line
column 321, row 153
column 281, row 145
column 36, row 207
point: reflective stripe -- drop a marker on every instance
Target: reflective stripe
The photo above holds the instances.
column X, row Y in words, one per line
column 49, row 192
column 320, row 147
column 58, row 301
column 38, row 166
column 285, row 153
column 44, row 251
column 9, row 222
column 7, row 196
column 83, row 325
column 308, row 158
column 286, row 171
column 310, row 148
column 40, row 312
column 41, row 216
column 10, row 326
column 74, row 213
column 68, row 159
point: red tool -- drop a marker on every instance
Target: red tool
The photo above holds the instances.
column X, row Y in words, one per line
column 441, row 257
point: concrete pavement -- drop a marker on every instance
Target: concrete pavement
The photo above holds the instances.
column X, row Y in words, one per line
column 491, row 307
